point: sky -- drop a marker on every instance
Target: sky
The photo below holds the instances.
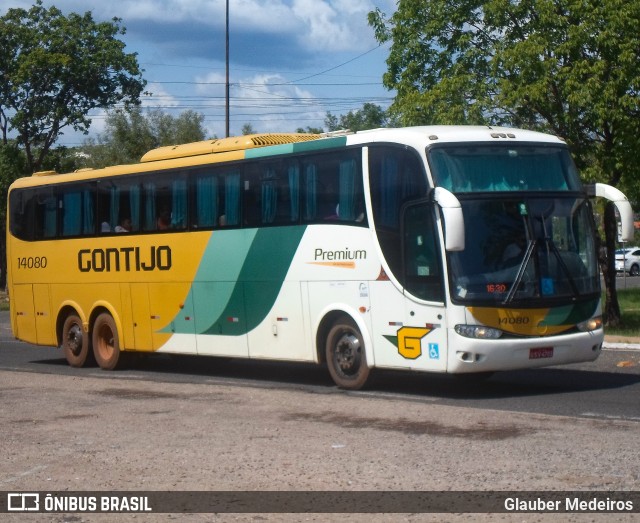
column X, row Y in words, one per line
column 291, row 61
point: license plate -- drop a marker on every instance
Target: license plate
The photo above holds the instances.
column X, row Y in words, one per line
column 541, row 352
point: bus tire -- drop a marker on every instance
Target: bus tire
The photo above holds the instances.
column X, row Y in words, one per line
column 75, row 342
column 346, row 358
column 106, row 345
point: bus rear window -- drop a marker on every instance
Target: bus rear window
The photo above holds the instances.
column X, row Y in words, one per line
column 33, row 213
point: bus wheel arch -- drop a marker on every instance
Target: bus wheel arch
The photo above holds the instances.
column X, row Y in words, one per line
column 106, row 340
column 344, row 351
column 73, row 338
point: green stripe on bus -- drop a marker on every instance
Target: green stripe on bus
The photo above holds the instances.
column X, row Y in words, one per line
column 570, row 314
column 238, row 281
column 299, row 147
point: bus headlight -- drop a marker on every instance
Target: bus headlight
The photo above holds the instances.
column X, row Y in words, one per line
column 478, row 331
column 591, row 324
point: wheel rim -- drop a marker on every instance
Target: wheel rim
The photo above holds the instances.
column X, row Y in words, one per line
column 74, row 340
column 347, row 354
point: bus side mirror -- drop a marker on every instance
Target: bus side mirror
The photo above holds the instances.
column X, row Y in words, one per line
column 622, row 204
column 453, row 219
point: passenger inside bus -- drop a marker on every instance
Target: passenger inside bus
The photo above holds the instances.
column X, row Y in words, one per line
column 164, row 221
column 125, row 226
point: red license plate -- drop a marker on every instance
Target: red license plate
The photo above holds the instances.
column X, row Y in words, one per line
column 541, row 352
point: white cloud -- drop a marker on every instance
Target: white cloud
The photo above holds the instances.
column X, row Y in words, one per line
column 173, row 38
column 266, row 101
column 314, row 25
column 323, row 29
column 158, row 96
column 329, row 25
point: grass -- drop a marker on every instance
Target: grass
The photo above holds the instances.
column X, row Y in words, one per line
column 629, row 301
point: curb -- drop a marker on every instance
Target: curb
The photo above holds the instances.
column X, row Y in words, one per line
column 620, row 346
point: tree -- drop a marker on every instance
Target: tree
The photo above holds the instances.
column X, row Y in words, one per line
column 371, row 116
column 129, row 135
column 568, row 67
column 248, row 129
column 12, row 166
column 310, row 130
column 55, row 69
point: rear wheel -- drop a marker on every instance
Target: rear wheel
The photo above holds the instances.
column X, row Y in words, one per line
column 634, row 270
column 346, row 356
column 75, row 342
column 106, row 345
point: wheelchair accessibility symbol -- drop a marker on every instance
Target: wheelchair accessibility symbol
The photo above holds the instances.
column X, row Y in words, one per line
column 434, row 351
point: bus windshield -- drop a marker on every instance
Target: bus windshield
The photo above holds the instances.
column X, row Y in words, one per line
column 529, row 231
column 521, row 249
column 503, row 167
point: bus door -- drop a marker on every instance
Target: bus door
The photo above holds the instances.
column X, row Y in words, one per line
column 410, row 322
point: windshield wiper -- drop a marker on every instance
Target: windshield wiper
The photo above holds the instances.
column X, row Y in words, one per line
column 563, row 266
column 531, row 245
column 551, row 246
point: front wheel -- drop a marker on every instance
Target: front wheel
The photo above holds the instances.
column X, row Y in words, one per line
column 106, row 345
column 634, row 270
column 346, row 356
column 75, row 342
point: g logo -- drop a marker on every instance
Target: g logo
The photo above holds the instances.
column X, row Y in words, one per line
column 409, row 341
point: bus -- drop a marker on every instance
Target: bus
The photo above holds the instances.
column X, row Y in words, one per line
column 448, row 249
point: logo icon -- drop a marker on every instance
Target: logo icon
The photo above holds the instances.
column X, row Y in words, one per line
column 410, row 341
column 23, row 502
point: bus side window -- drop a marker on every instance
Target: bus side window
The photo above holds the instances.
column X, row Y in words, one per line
column 231, row 214
column 274, row 194
column 162, row 204
column 293, row 176
column 310, row 192
column 422, row 273
column 78, row 211
column 175, row 217
column 268, row 196
column 118, row 202
column 332, row 189
column 207, row 201
column 350, row 193
column 21, row 213
column 46, row 213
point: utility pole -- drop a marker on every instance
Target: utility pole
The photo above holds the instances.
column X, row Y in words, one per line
column 227, row 81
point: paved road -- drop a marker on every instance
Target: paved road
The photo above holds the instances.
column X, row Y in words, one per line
column 627, row 282
column 608, row 388
column 206, row 424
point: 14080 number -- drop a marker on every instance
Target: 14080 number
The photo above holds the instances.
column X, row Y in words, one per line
column 518, row 320
column 32, row 262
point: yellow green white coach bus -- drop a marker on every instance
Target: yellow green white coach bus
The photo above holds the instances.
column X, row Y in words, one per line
column 441, row 249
